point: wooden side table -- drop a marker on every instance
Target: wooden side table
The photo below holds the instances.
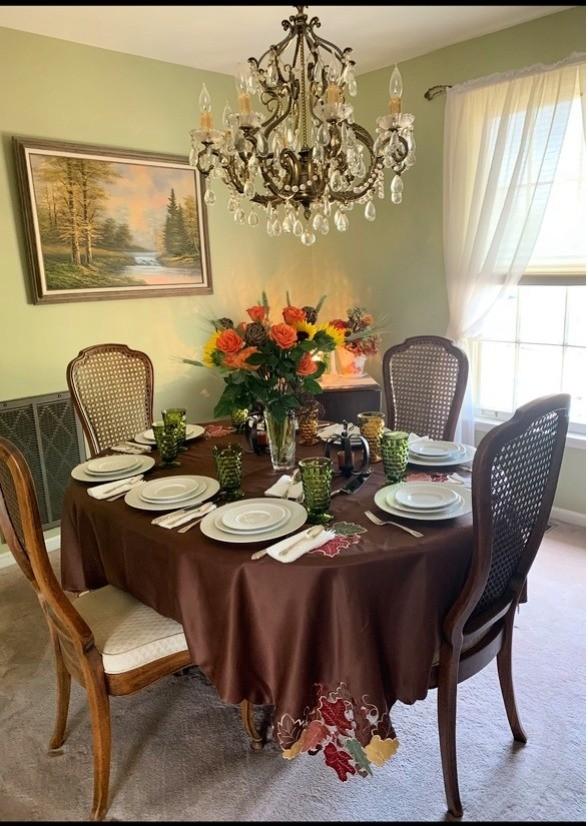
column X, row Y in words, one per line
column 343, row 397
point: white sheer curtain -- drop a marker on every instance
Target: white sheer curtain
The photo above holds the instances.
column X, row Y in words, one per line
column 502, row 143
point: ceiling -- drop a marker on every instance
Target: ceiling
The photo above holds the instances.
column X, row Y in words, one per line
column 217, row 38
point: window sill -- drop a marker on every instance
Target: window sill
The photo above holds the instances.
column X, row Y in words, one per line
column 576, row 441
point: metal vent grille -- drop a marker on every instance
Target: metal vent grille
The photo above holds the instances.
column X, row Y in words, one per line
column 45, row 430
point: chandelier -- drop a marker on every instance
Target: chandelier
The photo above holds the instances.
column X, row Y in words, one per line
column 304, row 161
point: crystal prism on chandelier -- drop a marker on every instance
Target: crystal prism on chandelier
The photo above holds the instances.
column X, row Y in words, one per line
column 303, row 161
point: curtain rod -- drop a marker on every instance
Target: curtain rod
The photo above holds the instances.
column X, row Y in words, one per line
column 437, row 90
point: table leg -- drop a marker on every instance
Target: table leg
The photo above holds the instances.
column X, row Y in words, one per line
column 255, row 738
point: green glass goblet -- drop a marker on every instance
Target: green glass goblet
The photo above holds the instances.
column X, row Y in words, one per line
column 177, row 416
column 228, row 459
column 393, row 446
column 166, row 439
column 317, row 473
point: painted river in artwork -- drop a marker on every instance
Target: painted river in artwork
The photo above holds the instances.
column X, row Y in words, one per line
column 147, row 268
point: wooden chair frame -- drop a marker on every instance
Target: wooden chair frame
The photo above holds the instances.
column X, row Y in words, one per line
column 84, row 358
column 460, row 386
column 493, row 627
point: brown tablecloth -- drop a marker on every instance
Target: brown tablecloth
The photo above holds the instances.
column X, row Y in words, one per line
column 364, row 624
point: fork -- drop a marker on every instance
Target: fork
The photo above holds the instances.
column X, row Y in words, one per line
column 377, row 521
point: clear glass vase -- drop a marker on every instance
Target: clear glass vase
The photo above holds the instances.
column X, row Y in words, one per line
column 281, row 437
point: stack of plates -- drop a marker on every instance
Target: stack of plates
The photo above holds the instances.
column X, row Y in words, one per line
column 425, row 500
column 431, row 452
column 171, row 493
column 110, row 468
column 193, row 431
column 253, row 520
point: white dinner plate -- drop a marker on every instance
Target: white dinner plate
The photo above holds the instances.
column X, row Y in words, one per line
column 459, row 509
column 248, row 517
column 435, row 449
column 296, row 519
column 80, row 473
column 172, row 489
column 111, row 464
column 193, row 431
column 135, row 500
column 423, row 496
column 260, row 532
column 410, row 511
column 461, row 459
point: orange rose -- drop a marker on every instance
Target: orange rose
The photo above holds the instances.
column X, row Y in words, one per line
column 368, row 319
column 256, row 313
column 306, row 366
column 239, row 360
column 229, row 341
column 283, row 335
column 292, row 315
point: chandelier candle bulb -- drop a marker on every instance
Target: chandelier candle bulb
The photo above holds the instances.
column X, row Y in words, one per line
column 205, row 103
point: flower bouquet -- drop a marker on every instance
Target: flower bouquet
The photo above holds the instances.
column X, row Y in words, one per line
column 276, row 365
column 361, row 339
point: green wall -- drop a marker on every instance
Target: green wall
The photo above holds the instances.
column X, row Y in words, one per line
column 51, row 88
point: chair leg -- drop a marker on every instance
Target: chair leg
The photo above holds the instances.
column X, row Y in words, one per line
column 504, row 663
column 100, row 717
column 255, row 738
column 63, row 690
column 446, row 711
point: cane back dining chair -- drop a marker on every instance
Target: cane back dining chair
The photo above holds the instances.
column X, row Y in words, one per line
column 514, row 476
column 111, row 387
column 425, row 379
column 107, row 640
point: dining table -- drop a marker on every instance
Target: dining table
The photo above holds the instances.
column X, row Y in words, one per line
column 330, row 641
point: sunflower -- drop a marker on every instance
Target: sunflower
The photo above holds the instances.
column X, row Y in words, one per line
column 209, row 349
column 333, row 332
column 306, row 327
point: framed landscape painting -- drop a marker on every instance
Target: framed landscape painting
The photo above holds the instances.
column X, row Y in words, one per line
column 103, row 223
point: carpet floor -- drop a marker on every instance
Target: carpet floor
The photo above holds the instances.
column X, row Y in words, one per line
column 179, row 753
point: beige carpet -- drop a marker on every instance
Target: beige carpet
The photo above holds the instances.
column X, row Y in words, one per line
column 180, row 754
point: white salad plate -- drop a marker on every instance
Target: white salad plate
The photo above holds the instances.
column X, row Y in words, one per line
column 111, row 464
column 461, row 458
column 193, row 431
column 135, row 500
column 143, row 464
column 423, row 496
column 259, row 532
column 461, row 508
column 172, row 489
column 295, row 519
column 247, row 517
column 432, row 449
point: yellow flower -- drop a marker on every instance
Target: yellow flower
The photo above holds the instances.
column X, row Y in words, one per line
column 209, row 348
column 337, row 335
column 306, row 327
column 378, row 751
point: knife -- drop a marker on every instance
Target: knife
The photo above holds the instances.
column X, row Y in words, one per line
column 352, row 486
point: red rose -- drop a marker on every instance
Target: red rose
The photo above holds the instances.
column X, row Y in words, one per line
column 283, row 335
column 229, row 341
column 339, row 324
column 256, row 313
column 306, row 366
column 292, row 315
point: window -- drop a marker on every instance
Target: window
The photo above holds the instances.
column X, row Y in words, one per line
column 533, row 342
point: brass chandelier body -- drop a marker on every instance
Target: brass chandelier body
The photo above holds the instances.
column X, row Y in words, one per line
column 305, row 160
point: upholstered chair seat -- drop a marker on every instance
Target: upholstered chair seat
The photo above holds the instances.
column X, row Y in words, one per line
column 127, row 633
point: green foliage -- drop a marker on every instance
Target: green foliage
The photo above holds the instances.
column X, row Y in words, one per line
column 176, row 238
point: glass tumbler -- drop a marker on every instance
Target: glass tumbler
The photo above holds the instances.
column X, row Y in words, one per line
column 371, row 425
column 177, row 416
column 394, row 450
column 228, row 459
column 166, row 439
column 317, row 473
column 308, row 418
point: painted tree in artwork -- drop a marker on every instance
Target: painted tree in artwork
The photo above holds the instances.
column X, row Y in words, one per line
column 191, row 222
column 175, row 237
column 92, row 175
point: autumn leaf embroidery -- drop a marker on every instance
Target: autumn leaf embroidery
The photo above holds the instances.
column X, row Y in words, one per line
column 333, row 714
column 338, row 760
column 378, row 751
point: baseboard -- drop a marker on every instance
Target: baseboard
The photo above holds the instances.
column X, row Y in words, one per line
column 52, row 543
column 570, row 517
